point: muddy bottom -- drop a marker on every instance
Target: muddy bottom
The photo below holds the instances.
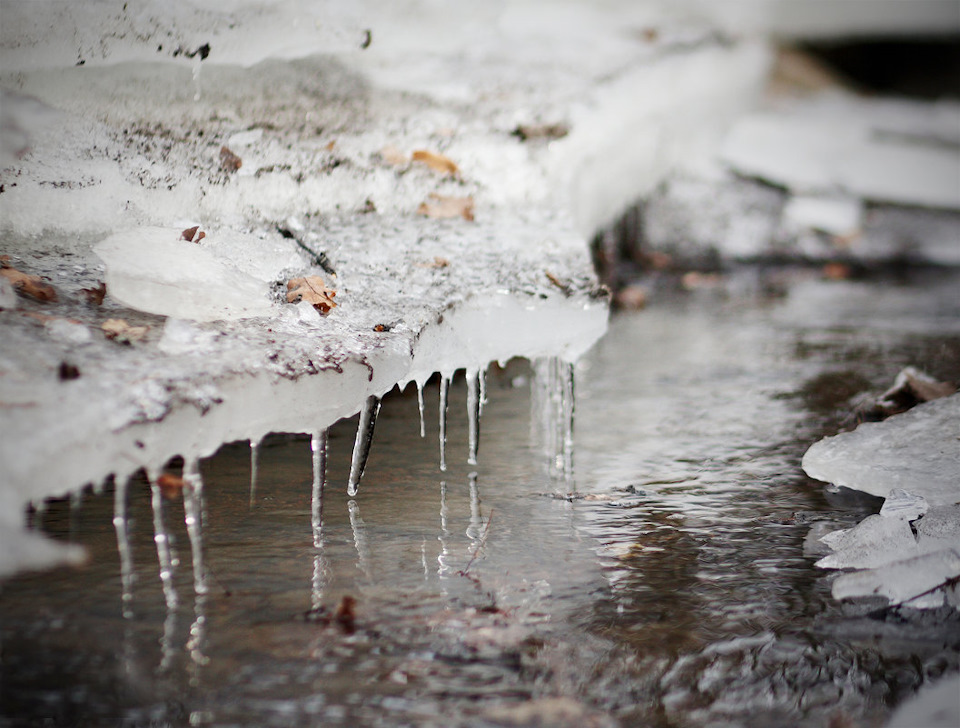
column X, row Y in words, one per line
column 665, row 583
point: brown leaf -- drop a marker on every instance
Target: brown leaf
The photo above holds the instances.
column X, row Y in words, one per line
column 96, row 295
column 170, row 485
column 68, row 371
column 436, row 162
column 27, row 285
column 312, row 289
column 446, row 207
column 189, row 233
column 123, row 333
column 229, row 161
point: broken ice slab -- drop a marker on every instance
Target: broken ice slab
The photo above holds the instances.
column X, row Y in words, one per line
column 833, row 215
column 151, row 269
column 875, row 541
column 916, row 580
column 934, row 706
column 903, row 505
column 876, row 151
column 917, row 451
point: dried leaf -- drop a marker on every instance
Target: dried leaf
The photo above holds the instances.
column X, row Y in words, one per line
column 68, row 371
column 229, row 161
column 436, row 162
column 123, row 333
column 558, row 283
column 96, row 295
column 170, row 485
column 439, row 262
column 446, row 207
column 190, row 233
column 529, row 132
column 312, row 289
column 27, row 285
column 392, row 155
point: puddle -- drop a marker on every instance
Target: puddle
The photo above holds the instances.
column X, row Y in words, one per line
column 663, row 583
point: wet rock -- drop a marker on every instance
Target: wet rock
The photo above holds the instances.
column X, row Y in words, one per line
column 556, row 712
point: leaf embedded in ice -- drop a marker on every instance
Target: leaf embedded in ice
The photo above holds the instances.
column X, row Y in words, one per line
column 27, row 285
column 436, row 162
column 313, row 290
column 123, row 333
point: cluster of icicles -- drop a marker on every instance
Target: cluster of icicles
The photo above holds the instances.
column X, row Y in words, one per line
column 552, row 410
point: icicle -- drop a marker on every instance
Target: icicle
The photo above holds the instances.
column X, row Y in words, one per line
column 423, row 429
column 123, row 546
column 254, row 469
column 162, row 540
column 76, row 500
column 168, row 650
column 473, row 414
column 319, row 447
column 444, row 391
column 483, row 389
column 361, row 446
column 359, row 537
column 193, row 516
column 552, row 403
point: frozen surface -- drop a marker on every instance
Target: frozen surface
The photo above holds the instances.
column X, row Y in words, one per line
column 934, row 706
column 916, row 451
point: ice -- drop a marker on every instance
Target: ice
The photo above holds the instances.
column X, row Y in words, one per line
column 552, row 412
column 915, row 451
column 151, row 269
column 423, row 431
column 835, row 146
column 359, row 538
column 23, row 549
column 162, row 539
column 120, row 525
column 361, row 446
column 184, row 337
column 875, row 541
column 68, row 331
column 473, row 414
column 8, row 296
column 934, row 706
column 193, row 517
column 831, row 215
column 901, row 504
column 444, row 391
column 443, row 568
column 245, row 138
column 909, row 580
column 939, row 528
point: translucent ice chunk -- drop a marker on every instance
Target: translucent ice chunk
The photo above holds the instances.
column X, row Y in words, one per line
column 875, row 541
column 904, row 580
column 901, row 504
column 361, row 446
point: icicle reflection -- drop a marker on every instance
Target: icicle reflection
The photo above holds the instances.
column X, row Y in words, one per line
column 443, row 568
column 473, row 414
column 318, row 445
column 475, row 529
column 123, row 547
column 359, row 538
column 552, row 404
column 254, row 469
column 165, row 554
column 193, row 517
column 361, row 447
column 444, row 392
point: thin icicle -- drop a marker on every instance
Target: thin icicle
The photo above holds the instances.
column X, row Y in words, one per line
column 359, row 538
column 254, row 469
column 444, row 391
column 162, row 539
column 319, row 447
column 361, row 446
column 552, row 402
column 123, row 547
column 483, row 389
column 193, row 517
column 423, row 429
column 475, row 529
column 473, row 414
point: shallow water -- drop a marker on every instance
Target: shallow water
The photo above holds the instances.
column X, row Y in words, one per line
column 665, row 583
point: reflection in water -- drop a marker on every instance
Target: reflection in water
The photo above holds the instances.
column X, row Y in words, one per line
column 443, row 568
column 318, row 446
column 165, row 554
column 193, row 517
column 254, row 468
column 359, row 539
column 121, row 524
column 473, row 414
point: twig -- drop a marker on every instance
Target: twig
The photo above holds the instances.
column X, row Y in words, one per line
column 483, row 540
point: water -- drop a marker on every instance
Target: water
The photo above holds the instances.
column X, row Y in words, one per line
column 659, row 579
